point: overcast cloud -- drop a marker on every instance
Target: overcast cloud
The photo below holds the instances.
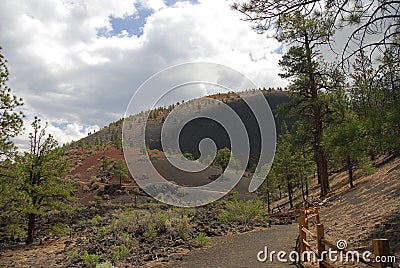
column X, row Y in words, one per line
column 77, row 63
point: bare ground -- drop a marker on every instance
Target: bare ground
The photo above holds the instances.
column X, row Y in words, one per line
column 241, row 250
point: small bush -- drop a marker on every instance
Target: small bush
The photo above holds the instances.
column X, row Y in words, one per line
column 96, row 220
column 201, row 239
column 151, row 230
column 86, row 188
column 120, row 252
column 127, row 239
column 181, row 227
column 59, row 230
column 102, row 232
column 90, row 260
column 98, row 199
column 94, row 186
column 162, row 222
column 241, row 211
column 73, row 253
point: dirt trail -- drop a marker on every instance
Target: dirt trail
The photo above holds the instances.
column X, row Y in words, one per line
column 241, row 250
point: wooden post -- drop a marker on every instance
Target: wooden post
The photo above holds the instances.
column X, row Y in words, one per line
column 320, row 246
column 302, row 233
column 381, row 248
column 305, row 219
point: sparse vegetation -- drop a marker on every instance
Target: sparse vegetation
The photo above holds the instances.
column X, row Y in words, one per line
column 120, row 252
column 91, row 260
column 243, row 212
column 201, row 239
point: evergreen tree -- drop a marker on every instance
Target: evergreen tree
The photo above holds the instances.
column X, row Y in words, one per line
column 269, row 186
column 377, row 23
column 301, row 140
column 346, row 144
column 10, row 119
column 222, row 158
column 120, row 171
column 286, row 161
column 310, row 78
column 42, row 180
column 10, row 126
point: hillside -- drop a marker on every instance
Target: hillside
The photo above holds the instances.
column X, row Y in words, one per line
column 196, row 130
column 87, row 155
column 368, row 211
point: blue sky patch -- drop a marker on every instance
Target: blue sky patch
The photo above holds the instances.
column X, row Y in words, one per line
column 173, row 2
column 61, row 126
column 133, row 24
column 279, row 50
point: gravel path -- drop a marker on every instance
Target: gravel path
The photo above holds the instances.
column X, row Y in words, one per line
column 241, row 250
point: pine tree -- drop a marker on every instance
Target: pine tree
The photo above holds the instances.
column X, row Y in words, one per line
column 10, row 119
column 120, row 171
column 269, row 186
column 286, row 161
column 346, row 144
column 310, row 77
column 10, row 126
column 42, row 173
column 301, row 140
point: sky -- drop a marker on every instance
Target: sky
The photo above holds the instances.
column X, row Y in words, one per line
column 77, row 63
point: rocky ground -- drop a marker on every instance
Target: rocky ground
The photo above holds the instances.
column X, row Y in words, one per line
column 124, row 236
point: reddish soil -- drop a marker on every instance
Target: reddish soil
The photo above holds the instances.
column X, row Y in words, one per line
column 88, row 168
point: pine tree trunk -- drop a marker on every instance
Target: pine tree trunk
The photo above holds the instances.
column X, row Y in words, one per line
column 307, row 188
column 302, row 190
column 31, row 228
column 350, row 168
column 280, row 192
column 322, row 163
column 289, row 183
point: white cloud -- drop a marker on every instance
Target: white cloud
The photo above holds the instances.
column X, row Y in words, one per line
column 66, row 72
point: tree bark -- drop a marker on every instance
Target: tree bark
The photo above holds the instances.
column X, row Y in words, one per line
column 31, row 228
column 307, row 188
column 350, row 169
column 289, row 184
column 302, row 191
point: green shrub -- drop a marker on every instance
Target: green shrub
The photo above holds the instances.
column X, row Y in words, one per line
column 96, row 220
column 181, row 226
column 127, row 239
column 120, row 252
column 73, row 253
column 98, row 199
column 59, row 230
column 241, row 211
column 90, row 260
column 162, row 222
column 151, row 230
column 102, row 232
column 201, row 239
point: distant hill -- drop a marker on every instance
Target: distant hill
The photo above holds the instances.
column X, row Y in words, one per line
column 88, row 156
column 197, row 129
